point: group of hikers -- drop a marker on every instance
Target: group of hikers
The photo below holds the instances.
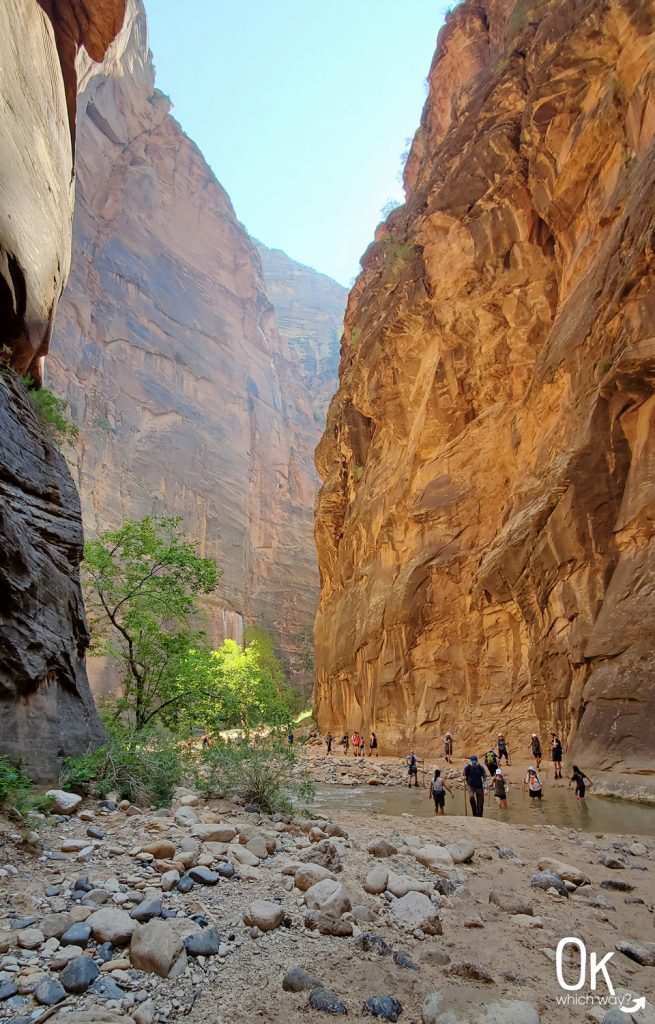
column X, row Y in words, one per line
column 358, row 744
column 489, row 775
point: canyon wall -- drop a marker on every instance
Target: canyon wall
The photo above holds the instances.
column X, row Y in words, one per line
column 186, row 393
column 485, row 525
column 45, row 702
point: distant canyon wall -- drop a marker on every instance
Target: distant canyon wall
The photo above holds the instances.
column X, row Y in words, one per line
column 46, row 707
column 485, row 525
column 185, row 387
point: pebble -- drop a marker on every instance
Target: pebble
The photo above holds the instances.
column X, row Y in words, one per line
column 77, row 935
column 264, row 914
column 548, row 880
column 616, row 885
column 106, row 988
column 146, row 910
column 30, row 938
column 7, row 990
column 369, row 942
column 203, row 943
column 185, row 884
column 403, row 960
column 202, row 875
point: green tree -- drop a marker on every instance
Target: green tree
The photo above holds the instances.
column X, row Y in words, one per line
column 142, row 583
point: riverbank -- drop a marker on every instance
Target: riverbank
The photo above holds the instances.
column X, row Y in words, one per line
column 392, row 771
column 474, row 936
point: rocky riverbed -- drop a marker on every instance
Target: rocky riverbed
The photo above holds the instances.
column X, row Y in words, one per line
column 214, row 912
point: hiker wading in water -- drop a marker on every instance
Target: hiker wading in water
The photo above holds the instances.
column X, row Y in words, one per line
column 500, row 788
column 448, row 746
column 535, row 746
column 373, row 745
column 503, row 752
column 556, row 754
column 438, row 788
column 328, row 740
column 475, row 775
column 579, row 778
column 412, row 769
column 533, row 783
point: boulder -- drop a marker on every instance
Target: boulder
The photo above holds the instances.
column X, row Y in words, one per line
column 62, row 802
column 112, row 925
column 567, row 872
column 376, row 880
column 310, row 874
column 328, row 897
column 548, row 880
column 511, row 904
column 328, row 1002
column 162, row 849
column 49, row 992
column 264, row 914
column 400, row 885
column 78, row 974
column 642, row 953
column 380, row 847
column 315, row 921
column 186, row 817
column 436, row 858
column 324, row 853
column 205, row 942
column 462, row 852
column 213, row 833
column 157, row 949
column 299, row 980
column 257, row 846
column 30, row 938
column 416, row 910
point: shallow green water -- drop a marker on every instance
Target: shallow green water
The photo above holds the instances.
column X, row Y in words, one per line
column 558, row 807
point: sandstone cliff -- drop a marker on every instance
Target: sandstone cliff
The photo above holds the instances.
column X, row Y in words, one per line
column 167, row 348
column 45, row 702
column 485, row 526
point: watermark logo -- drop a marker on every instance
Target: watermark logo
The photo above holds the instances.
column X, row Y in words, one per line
column 590, row 971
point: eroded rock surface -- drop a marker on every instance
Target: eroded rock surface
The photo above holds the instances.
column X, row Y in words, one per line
column 485, row 524
column 188, row 397
column 45, row 702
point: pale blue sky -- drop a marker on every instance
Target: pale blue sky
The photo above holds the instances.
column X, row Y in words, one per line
column 302, row 108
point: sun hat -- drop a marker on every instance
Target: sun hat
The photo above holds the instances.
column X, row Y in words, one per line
column 498, row 771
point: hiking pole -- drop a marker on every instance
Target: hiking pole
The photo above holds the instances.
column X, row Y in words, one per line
column 466, row 810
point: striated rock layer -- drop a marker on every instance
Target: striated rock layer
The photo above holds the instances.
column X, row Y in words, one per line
column 485, row 526
column 46, row 707
column 187, row 396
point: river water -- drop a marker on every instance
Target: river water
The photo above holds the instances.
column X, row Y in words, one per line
column 558, row 807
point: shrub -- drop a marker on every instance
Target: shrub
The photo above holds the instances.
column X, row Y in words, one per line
column 17, row 796
column 265, row 773
column 51, row 413
column 141, row 767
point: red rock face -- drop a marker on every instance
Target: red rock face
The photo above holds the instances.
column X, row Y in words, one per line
column 485, row 526
column 167, row 347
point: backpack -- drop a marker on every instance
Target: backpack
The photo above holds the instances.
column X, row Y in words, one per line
column 491, row 759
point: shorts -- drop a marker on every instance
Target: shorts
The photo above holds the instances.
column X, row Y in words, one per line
column 412, row 770
column 535, row 794
column 580, row 789
column 439, row 799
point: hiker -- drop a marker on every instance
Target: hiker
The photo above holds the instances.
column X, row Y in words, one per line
column 556, row 754
column 579, row 778
column 475, row 775
column 355, row 744
column 373, row 745
column 205, row 741
column 536, row 750
column 290, row 739
column 345, row 743
column 533, row 783
column 502, row 749
column 491, row 762
column 448, row 746
column 328, row 740
column 500, row 788
column 412, row 769
column 438, row 788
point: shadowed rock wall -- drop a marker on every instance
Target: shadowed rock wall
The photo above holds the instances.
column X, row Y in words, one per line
column 45, row 702
column 485, row 525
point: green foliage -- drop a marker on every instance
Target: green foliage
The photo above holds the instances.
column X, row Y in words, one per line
column 51, row 412
column 603, row 366
column 144, row 767
column 396, row 254
column 265, row 774
column 17, row 796
column 355, row 336
column 142, row 583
